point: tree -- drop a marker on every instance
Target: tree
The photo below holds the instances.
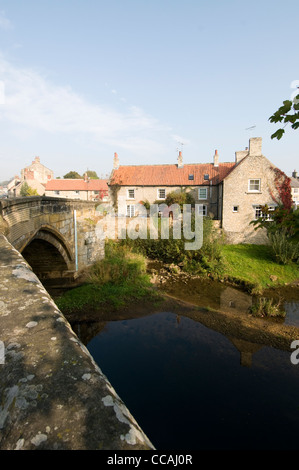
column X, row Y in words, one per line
column 180, row 197
column 287, row 113
column 26, row 190
column 92, row 175
column 72, row 175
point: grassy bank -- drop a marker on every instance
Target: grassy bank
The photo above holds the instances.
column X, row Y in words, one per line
column 254, row 266
column 113, row 282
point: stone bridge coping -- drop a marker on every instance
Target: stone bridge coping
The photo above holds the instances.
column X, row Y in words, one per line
column 53, row 395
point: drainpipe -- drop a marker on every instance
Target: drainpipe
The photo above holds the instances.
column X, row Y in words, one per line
column 76, row 240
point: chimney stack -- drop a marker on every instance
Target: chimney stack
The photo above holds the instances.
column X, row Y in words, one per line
column 294, row 174
column 115, row 162
column 180, row 160
column 216, row 158
column 255, row 147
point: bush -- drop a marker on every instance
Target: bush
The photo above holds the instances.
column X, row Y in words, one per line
column 118, row 265
column 206, row 260
column 113, row 281
column 264, row 307
column 284, row 249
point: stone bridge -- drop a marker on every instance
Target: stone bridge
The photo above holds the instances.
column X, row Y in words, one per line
column 55, row 236
column 53, row 396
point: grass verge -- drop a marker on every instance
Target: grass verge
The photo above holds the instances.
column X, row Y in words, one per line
column 113, row 282
column 254, row 267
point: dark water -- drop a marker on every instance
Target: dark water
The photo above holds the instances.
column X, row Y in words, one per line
column 190, row 387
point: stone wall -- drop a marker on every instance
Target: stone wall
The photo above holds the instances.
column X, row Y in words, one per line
column 53, row 395
column 25, row 219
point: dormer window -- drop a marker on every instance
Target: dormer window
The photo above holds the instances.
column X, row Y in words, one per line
column 206, row 177
column 191, row 177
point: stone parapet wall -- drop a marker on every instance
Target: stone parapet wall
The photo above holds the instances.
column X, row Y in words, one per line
column 53, row 395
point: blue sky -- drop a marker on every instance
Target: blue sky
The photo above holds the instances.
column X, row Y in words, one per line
column 80, row 80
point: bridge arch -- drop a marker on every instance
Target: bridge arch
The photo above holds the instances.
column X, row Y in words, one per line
column 49, row 254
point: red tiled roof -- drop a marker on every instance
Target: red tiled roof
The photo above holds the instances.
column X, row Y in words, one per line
column 76, row 185
column 170, row 175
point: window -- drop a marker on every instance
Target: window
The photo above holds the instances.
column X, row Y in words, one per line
column 130, row 210
column 191, row 177
column 56, row 192
column 235, row 208
column 202, row 209
column 206, row 177
column 131, row 193
column 202, row 193
column 96, row 192
column 161, row 193
column 295, row 190
column 259, row 213
column 254, row 185
column 77, row 192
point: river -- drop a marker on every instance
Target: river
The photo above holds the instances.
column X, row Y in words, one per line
column 195, row 379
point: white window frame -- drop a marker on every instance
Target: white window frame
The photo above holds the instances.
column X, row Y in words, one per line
column 158, row 193
column 130, row 210
column 296, row 190
column 203, row 210
column 206, row 194
column 259, row 185
column 128, row 193
column 258, row 212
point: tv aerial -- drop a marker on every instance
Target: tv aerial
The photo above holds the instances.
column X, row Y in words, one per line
column 181, row 146
column 250, row 129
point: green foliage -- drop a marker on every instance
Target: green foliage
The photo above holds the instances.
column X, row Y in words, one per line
column 26, row 190
column 118, row 265
column 281, row 219
column 287, row 113
column 179, row 197
column 285, row 250
column 72, row 175
column 92, row 175
column 146, row 204
column 206, row 260
column 113, row 282
column 264, row 307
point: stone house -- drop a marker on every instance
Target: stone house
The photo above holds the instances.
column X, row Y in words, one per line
column 152, row 183
column 248, row 187
column 231, row 193
column 35, row 175
column 84, row 189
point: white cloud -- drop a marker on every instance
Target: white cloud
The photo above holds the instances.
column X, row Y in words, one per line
column 33, row 104
column 5, row 23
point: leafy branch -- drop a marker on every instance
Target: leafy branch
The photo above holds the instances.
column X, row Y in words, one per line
column 287, row 113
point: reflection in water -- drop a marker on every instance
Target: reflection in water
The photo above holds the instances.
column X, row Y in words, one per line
column 191, row 387
column 215, row 295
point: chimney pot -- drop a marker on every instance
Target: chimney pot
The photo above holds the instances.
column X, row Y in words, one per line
column 216, row 158
column 115, row 161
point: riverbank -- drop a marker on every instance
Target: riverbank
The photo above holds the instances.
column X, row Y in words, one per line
column 126, row 280
column 253, row 267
